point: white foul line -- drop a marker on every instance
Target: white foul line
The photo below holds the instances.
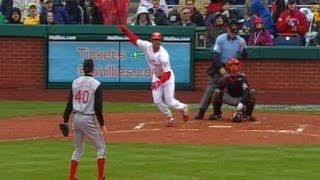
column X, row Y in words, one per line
column 133, row 130
column 139, row 126
column 188, row 129
column 220, row 126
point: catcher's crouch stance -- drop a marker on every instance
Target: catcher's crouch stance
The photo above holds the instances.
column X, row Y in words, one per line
column 233, row 89
column 85, row 100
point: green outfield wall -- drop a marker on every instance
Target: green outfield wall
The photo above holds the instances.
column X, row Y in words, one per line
column 24, row 54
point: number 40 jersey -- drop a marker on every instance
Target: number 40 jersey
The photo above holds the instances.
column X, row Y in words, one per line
column 83, row 90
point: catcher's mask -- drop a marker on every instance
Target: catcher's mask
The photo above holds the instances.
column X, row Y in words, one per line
column 88, row 66
column 233, row 67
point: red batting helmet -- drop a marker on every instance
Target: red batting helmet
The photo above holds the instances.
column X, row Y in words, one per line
column 156, row 36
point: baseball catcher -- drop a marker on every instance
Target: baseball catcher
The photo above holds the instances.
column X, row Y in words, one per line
column 64, row 128
column 233, row 89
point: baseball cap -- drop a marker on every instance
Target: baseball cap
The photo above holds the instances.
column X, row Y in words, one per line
column 33, row 5
column 257, row 20
column 88, row 65
column 46, row 1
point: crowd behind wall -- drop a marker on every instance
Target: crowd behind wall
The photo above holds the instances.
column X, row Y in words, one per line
column 293, row 22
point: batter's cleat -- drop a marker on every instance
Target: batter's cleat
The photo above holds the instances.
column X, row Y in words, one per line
column 215, row 117
column 200, row 115
column 185, row 113
column 170, row 122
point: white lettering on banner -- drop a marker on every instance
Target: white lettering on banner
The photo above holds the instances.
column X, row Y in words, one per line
column 114, row 71
column 117, row 38
column 61, row 37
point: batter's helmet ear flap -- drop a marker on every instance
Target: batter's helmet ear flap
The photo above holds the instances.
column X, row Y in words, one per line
column 88, row 66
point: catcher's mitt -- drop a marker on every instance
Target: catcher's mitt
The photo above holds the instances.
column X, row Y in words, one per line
column 237, row 117
column 64, row 128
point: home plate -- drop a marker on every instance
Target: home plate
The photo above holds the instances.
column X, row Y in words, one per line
column 220, row 126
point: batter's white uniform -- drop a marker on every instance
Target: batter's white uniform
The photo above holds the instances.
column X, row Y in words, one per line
column 159, row 63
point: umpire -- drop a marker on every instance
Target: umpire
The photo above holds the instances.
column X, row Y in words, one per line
column 226, row 46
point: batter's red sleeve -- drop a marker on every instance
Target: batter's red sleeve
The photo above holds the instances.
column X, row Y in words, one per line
column 132, row 37
column 166, row 76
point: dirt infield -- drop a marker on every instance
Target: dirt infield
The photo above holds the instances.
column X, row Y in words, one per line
column 269, row 129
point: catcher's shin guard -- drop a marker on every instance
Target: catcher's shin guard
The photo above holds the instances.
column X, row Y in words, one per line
column 217, row 102
column 251, row 102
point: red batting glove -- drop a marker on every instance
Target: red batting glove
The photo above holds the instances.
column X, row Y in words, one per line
column 155, row 85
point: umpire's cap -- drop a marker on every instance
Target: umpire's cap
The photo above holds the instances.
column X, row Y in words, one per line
column 88, row 66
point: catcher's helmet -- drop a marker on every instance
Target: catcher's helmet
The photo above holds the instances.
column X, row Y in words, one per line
column 156, row 36
column 233, row 70
column 88, row 65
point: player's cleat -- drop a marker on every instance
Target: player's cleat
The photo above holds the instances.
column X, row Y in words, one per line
column 237, row 117
column 170, row 122
column 251, row 118
column 200, row 114
column 215, row 117
column 185, row 113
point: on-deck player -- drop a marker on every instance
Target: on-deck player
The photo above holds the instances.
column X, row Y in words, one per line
column 163, row 82
column 85, row 100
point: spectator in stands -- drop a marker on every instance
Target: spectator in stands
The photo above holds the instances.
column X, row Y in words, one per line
column 5, row 8
column 259, row 9
column 172, row 2
column 50, row 18
column 292, row 21
column 185, row 15
column 219, row 26
column 142, row 18
column 59, row 13
column 247, row 8
column 95, row 15
column 74, row 12
column 200, row 5
column 213, row 7
column 316, row 18
column 158, row 14
column 114, row 12
column 33, row 17
column 278, row 7
column 15, row 16
column 2, row 19
column 149, row 4
column 227, row 12
column 260, row 36
column 174, row 15
column 196, row 16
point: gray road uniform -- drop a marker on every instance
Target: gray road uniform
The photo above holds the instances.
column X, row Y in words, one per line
column 85, row 101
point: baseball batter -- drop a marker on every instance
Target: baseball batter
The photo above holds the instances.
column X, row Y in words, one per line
column 85, row 101
column 163, row 83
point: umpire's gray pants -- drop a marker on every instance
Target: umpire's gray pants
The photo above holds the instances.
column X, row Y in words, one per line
column 207, row 96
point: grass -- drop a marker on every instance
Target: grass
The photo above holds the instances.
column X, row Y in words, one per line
column 10, row 109
column 49, row 160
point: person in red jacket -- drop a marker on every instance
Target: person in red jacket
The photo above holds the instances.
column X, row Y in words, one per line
column 292, row 21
